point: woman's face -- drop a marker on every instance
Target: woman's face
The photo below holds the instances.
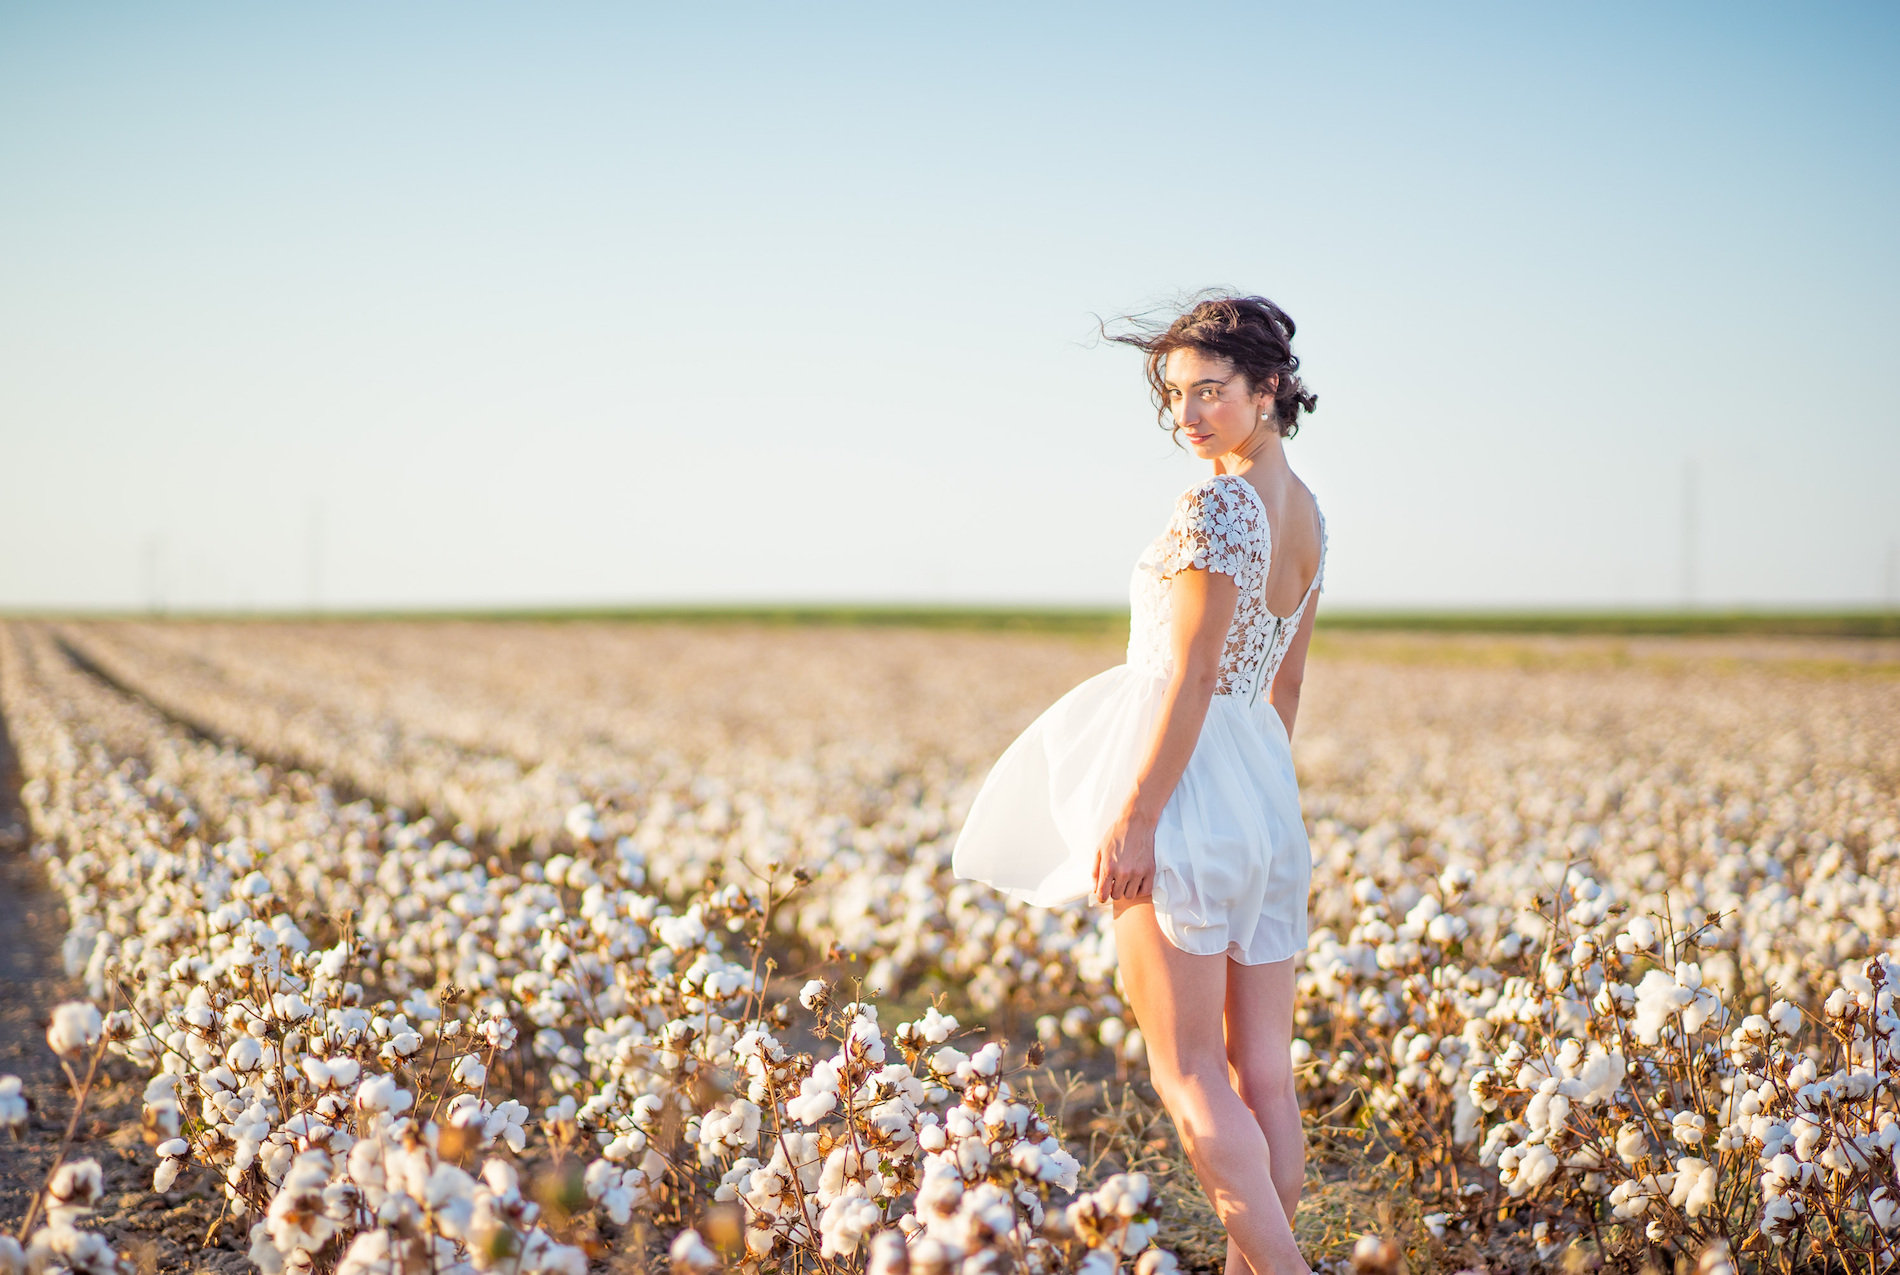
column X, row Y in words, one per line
column 1214, row 407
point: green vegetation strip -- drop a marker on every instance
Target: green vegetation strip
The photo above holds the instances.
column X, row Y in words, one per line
column 1850, row 624
column 1047, row 620
column 1110, row 620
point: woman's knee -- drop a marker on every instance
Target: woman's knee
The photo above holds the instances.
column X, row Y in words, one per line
column 1265, row 1080
column 1183, row 1085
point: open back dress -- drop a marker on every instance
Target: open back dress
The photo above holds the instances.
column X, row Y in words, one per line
column 1232, row 864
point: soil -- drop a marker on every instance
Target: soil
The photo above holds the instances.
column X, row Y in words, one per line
column 155, row 1233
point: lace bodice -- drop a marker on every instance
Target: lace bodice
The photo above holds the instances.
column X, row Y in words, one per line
column 1220, row 525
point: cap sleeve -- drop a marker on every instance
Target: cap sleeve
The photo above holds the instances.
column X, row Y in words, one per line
column 1319, row 580
column 1214, row 528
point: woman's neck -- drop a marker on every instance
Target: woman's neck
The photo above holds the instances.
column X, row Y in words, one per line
column 1263, row 453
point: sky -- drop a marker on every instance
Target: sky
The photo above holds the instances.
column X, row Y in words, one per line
column 443, row 305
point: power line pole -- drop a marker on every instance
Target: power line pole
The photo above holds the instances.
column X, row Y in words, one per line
column 1893, row 575
column 315, row 562
column 1688, row 534
column 154, row 553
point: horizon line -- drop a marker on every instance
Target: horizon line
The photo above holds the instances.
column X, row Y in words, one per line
column 1580, row 618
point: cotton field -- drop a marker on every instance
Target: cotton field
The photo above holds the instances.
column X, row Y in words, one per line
column 471, row 947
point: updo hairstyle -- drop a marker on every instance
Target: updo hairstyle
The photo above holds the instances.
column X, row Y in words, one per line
column 1252, row 333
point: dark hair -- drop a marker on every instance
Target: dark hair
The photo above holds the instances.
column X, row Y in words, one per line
column 1252, row 333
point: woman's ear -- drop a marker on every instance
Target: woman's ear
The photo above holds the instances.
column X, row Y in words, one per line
column 1268, row 390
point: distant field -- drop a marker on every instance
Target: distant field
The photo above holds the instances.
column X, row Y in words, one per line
column 1101, row 620
column 1858, row 624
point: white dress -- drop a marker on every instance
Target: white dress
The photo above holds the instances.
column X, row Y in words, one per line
column 1232, row 865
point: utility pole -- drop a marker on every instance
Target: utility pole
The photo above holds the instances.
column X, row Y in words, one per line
column 315, row 562
column 1893, row 575
column 154, row 554
column 1688, row 534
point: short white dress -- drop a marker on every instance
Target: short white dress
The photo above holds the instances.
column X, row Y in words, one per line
column 1232, row 866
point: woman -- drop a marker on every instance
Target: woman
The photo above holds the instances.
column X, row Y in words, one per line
column 1165, row 788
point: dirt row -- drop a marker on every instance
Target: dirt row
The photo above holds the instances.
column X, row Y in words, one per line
column 156, row 1233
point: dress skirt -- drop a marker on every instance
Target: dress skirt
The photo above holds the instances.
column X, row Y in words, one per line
column 1232, row 866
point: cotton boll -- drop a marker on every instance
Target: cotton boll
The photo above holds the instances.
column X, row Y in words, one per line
column 381, row 1093
column 245, row 1054
column 1658, row 998
column 75, row 1028
column 844, row 1223
column 1631, row 1143
column 73, row 1191
column 812, row 1106
column 937, row 1027
column 1688, row 1127
column 690, row 1255
column 1809, row 1134
column 583, row 824
column 1157, row 1261
column 1695, row 1186
column 1601, row 1074
column 62, row 1248
column 1536, row 1167
column 888, row 1256
column 13, row 1108
column 1377, row 1255
column 1701, row 1009
column 1456, row 878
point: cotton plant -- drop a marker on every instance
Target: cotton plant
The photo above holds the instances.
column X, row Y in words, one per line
column 884, row 889
column 1610, row 1088
column 818, row 1150
column 339, row 1089
column 71, row 1189
column 1563, row 942
column 72, row 1192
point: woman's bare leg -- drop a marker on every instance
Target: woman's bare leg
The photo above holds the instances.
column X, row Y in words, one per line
column 1259, row 1021
column 1180, row 1004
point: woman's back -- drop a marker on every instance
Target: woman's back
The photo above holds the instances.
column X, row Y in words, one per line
column 1293, row 518
column 1224, row 524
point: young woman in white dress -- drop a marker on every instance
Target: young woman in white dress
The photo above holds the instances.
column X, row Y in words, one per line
column 1165, row 788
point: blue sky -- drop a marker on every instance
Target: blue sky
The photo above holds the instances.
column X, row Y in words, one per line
column 485, row 304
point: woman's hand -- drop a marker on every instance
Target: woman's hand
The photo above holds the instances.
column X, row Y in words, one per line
column 1204, row 603
column 1125, row 861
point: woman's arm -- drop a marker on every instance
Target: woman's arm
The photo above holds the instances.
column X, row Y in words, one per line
column 1204, row 603
column 1285, row 695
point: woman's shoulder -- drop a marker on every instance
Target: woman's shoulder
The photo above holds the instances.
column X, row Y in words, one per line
column 1217, row 525
column 1304, row 495
column 1222, row 493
